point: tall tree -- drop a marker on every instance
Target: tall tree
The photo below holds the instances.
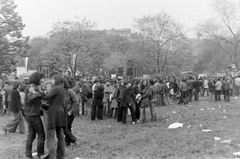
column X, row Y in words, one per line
column 161, row 30
column 12, row 41
column 224, row 28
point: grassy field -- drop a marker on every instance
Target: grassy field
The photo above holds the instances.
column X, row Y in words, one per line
column 108, row 139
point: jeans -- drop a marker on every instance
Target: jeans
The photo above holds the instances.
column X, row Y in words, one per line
column 226, row 96
column 18, row 120
column 190, row 95
column 35, row 126
column 124, row 113
column 137, row 110
column 183, row 97
column 69, row 137
column 217, row 95
column 152, row 109
column 60, row 144
column 196, row 94
column 97, row 111
column 119, row 113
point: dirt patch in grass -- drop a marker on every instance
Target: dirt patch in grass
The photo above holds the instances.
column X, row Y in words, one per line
column 108, row 139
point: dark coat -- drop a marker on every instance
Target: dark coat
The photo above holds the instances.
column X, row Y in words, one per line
column 71, row 101
column 126, row 99
column 57, row 111
column 33, row 102
column 16, row 101
column 98, row 96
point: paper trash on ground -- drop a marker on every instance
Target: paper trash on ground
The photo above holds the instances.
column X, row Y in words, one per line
column 206, row 130
column 189, row 126
column 217, row 139
column 175, row 125
column 236, row 153
column 226, row 141
column 34, row 154
column 173, row 112
column 213, row 108
column 201, row 109
column 224, row 117
column 78, row 158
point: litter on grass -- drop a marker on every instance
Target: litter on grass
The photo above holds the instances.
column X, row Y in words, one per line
column 34, row 154
column 213, row 108
column 224, row 117
column 219, row 106
column 78, row 158
column 175, row 125
column 226, row 141
column 201, row 125
column 206, row 130
column 173, row 112
column 217, row 139
column 201, row 109
column 189, row 126
column 208, row 108
column 224, row 110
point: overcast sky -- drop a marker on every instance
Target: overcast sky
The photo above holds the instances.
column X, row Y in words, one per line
column 39, row 15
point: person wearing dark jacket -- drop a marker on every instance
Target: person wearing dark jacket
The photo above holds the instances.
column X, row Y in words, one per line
column 136, row 95
column 226, row 89
column 15, row 107
column 32, row 115
column 72, row 106
column 144, row 99
column 127, row 102
column 196, row 87
column 8, row 93
column 153, row 100
column 97, row 107
column 118, row 96
column 57, row 118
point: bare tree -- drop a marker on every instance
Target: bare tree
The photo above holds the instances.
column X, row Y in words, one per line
column 225, row 28
column 161, row 30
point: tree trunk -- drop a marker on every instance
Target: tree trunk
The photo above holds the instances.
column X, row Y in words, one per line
column 158, row 62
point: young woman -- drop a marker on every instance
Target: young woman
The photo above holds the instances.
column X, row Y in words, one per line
column 57, row 118
column 15, row 107
column 72, row 106
column 32, row 115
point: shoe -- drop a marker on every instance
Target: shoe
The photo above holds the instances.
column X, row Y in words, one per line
column 138, row 121
column 133, row 123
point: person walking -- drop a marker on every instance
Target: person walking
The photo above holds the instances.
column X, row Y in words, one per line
column 32, row 115
column 57, row 118
column 16, row 108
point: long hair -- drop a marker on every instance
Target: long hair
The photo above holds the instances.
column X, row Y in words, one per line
column 58, row 79
column 65, row 83
column 35, row 78
column 16, row 84
column 144, row 86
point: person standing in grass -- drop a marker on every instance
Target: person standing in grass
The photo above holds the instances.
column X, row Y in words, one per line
column 144, row 99
column 184, row 92
column 72, row 106
column 127, row 102
column 226, row 89
column 153, row 100
column 57, row 118
column 32, row 115
column 218, row 89
column 16, row 108
column 97, row 106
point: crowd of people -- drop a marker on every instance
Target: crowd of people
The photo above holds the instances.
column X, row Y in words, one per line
column 50, row 106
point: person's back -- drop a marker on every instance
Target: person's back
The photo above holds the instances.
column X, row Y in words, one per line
column 226, row 85
column 98, row 96
column 183, row 87
column 218, row 85
column 153, row 92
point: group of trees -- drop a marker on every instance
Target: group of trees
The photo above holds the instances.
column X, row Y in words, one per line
column 160, row 45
